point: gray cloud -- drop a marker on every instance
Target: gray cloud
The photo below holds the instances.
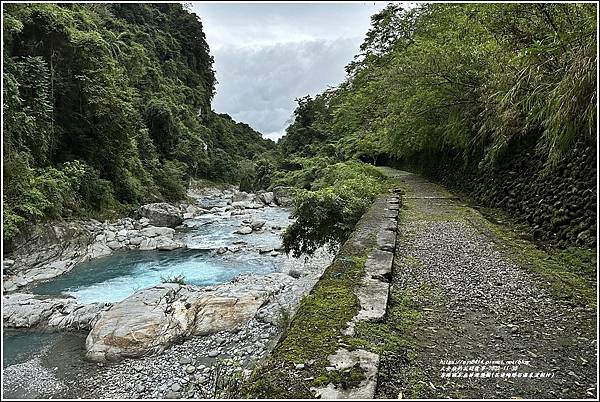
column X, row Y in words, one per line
column 259, row 85
column 267, row 55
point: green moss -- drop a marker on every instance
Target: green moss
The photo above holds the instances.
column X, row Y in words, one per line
column 415, row 386
column 314, row 334
column 411, row 261
column 403, row 316
column 279, row 379
column 346, row 378
column 324, row 313
column 581, row 261
column 570, row 274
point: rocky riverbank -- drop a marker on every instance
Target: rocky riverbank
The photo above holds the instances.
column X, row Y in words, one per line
column 196, row 366
column 170, row 340
column 46, row 251
column 56, row 248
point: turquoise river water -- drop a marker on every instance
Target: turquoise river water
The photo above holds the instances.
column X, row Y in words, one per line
column 115, row 277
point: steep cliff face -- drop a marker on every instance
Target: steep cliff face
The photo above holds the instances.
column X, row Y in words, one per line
column 558, row 202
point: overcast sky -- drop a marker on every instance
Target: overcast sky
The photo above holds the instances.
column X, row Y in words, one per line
column 266, row 55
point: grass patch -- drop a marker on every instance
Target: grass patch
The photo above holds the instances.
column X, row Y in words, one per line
column 179, row 279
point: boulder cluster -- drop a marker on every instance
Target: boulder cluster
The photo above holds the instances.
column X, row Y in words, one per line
column 152, row 319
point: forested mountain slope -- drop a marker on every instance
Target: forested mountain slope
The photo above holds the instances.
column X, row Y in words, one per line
column 107, row 106
column 498, row 100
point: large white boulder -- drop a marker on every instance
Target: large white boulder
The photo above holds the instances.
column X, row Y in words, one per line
column 161, row 214
column 244, row 230
column 152, row 319
column 145, row 322
column 226, row 313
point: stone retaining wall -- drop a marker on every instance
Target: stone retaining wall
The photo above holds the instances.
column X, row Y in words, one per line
column 558, row 202
column 314, row 358
column 378, row 224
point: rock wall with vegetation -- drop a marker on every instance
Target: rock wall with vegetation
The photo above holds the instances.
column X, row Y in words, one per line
column 107, row 106
column 557, row 202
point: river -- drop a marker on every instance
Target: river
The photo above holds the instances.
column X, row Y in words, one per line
column 214, row 255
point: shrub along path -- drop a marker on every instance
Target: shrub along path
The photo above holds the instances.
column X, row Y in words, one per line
column 464, row 288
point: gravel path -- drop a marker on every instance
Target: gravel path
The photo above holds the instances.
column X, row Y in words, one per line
column 475, row 304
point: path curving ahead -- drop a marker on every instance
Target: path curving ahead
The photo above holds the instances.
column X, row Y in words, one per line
column 464, row 289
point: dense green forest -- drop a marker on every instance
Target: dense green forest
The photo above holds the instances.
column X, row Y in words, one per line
column 107, row 106
column 464, row 76
column 445, row 79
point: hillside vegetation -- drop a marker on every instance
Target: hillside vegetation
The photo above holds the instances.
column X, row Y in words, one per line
column 107, row 106
column 455, row 91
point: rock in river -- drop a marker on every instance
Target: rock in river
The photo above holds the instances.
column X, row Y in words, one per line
column 267, row 198
column 257, row 224
column 161, row 214
column 151, row 319
column 25, row 310
column 244, row 230
column 146, row 321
